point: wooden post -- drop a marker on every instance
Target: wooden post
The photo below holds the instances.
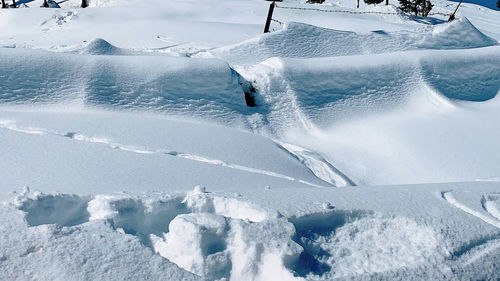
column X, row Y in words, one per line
column 452, row 16
column 269, row 17
column 358, row 5
column 386, row 2
column 14, row 3
column 3, row 4
column 84, row 4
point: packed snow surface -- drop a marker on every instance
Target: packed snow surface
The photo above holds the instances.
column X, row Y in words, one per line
column 129, row 151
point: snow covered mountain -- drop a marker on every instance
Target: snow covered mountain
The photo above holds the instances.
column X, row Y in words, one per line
column 129, row 151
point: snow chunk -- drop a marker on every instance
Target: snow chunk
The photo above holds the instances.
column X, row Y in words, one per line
column 199, row 201
column 196, row 242
column 263, row 251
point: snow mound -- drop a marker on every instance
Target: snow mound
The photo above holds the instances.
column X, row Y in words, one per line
column 458, row 34
column 101, row 47
column 299, row 40
column 160, row 83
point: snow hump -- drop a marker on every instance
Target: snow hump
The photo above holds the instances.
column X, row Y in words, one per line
column 101, row 47
column 299, row 40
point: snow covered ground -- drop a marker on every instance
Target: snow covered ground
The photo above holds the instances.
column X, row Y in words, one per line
column 128, row 151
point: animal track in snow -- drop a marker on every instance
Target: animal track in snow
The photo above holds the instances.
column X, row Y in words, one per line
column 11, row 125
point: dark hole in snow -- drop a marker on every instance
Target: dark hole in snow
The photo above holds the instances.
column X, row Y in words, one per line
column 213, row 243
column 250, row 100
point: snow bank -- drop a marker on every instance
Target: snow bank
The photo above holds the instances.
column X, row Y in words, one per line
column 158, row 83
column 319, row 91
column 299, row 40
column 458, row 34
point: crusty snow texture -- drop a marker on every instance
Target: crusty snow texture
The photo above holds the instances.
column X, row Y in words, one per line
column 209, row 236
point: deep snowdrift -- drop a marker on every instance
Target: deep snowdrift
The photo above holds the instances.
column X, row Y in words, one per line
column 298, row 40
column 179, row 85
column 320, row 91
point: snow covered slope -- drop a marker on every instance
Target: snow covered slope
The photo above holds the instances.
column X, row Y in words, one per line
column 170, row 154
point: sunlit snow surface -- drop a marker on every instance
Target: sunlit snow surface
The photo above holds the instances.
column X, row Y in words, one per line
column 128, row 151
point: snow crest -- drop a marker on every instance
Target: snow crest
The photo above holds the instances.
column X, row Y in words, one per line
column 299, row 40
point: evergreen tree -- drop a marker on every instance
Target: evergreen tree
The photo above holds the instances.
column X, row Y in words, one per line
column 416, row 7
column 374, row 2
column 84, row 4
column 3, row 4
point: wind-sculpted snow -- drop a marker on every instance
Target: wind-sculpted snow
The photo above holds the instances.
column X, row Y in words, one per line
column 298, row 40
column 459, row 76
column 317, row 91
column 136, row 82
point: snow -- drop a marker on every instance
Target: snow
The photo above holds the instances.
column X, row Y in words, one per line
column 128, row 150
column 298, row 40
